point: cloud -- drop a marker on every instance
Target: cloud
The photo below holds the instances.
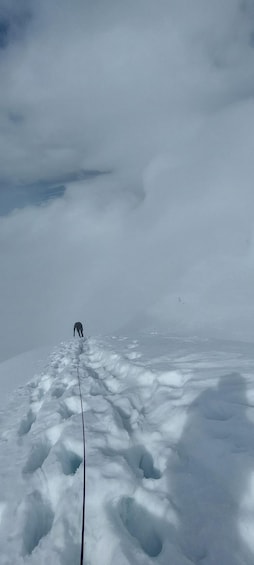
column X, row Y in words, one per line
column 160, row 97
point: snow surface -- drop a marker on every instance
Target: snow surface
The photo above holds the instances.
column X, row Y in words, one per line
column 18, row 370
column 169, row 455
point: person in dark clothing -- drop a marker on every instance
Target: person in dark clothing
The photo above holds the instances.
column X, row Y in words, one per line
column 79, row 328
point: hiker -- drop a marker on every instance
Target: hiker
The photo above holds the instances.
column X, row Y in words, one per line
column 79, row 328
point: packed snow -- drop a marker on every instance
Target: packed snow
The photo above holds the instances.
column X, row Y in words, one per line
column 169, row 455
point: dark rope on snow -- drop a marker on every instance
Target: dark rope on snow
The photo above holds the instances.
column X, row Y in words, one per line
column 84, row 469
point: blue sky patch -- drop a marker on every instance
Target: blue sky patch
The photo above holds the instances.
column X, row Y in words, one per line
column 40, row 192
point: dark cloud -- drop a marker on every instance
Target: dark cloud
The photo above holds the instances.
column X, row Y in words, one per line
column 4, row 33
column 15, row 117
column 14, row 19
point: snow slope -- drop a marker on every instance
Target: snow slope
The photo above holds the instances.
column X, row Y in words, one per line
column 169, row 455
column 18, row 370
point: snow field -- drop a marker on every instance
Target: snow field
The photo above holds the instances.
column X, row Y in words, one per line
column 169, row 456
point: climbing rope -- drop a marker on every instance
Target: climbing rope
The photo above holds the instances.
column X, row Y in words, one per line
column 84, row 469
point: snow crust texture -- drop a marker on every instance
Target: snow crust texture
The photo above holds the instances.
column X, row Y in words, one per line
column 169, row 455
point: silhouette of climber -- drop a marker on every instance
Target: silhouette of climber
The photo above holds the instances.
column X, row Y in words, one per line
column 79, row 328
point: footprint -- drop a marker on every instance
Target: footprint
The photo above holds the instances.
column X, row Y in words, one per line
column 140, row 459
column 64, row 411
column 58, row 392
column 26, row 423
column 69, row 407
column 37, row 394
column 147, row 466
column 123, row 417
column 38, row 520
column 38, row 454
column 139, row 524
column 69, row 458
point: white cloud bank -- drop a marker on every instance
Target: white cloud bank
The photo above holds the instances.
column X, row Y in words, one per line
column 160, row 93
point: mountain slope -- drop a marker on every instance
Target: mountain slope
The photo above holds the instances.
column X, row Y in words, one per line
column 169, row 455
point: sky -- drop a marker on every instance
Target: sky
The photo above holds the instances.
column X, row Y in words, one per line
column 126, row 168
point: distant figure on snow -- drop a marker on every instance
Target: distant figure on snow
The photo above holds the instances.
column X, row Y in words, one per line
column 79, row 328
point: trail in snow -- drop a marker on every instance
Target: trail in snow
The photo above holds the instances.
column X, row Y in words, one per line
column 170, row 457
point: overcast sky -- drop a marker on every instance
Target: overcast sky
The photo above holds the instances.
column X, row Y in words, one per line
column 126, row 168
